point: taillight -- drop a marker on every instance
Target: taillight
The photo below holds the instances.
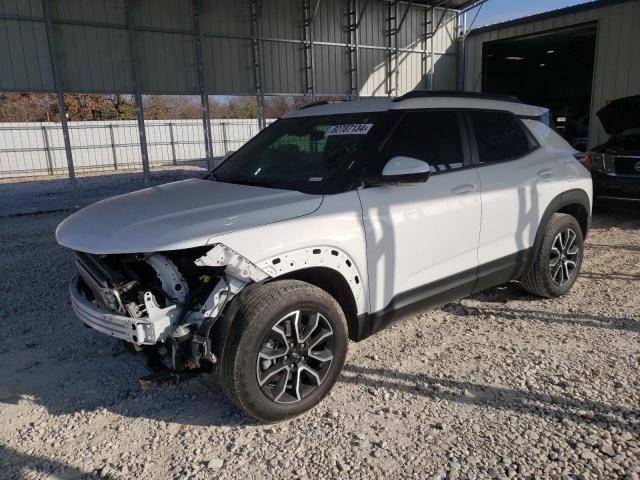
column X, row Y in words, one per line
column 584, row 159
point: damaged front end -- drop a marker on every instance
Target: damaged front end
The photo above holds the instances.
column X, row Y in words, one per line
column 164, row 304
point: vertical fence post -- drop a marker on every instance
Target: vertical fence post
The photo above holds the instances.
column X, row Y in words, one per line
column 224, row 138
column 47, row 149
column 113, row 147
column 173, row 145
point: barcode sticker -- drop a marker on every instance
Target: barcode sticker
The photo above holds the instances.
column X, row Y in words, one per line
column 349, row 129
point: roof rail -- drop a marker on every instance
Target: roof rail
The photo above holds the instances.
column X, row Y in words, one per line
column 314, row 104
column 453, row 93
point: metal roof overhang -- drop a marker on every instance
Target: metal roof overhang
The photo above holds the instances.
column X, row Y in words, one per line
column 248, row 46
column 453, row 4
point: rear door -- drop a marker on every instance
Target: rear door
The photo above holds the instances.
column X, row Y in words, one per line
column 518, row 180
column 422, row 238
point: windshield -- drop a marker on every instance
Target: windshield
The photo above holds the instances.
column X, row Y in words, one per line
column 315, row 154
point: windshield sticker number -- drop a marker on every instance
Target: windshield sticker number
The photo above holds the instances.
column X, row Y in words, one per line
column 349, row 129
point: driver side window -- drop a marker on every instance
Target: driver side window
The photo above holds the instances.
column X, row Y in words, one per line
column 432, row 136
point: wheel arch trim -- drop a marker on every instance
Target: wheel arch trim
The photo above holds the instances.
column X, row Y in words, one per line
column 576, row 196
column 329, row 257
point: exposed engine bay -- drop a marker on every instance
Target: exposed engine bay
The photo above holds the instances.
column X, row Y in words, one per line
column 165, row 304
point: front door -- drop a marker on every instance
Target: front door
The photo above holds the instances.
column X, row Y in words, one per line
column 422, row 239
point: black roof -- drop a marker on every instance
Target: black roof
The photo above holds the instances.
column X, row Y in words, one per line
column 550, row 14
column 453, row 93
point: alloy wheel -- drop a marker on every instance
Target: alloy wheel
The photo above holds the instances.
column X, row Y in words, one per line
column 295, row 356
column 563, row 260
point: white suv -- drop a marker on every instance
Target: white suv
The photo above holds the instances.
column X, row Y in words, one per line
column 326, row 226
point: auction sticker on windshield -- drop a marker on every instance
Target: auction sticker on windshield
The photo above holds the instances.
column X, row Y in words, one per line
column 349, row 129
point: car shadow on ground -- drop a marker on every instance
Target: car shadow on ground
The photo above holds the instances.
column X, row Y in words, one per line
column 105, row 379
column 523, row 401
column 626, row 277
column 24, row 466
column 628, row 324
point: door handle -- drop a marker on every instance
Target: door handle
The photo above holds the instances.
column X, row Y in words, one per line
column 460, row 189
column 545, row 173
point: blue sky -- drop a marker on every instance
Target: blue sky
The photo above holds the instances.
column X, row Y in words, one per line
column 495, row 11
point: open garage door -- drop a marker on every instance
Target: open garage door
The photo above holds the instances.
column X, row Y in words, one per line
column 552, row 69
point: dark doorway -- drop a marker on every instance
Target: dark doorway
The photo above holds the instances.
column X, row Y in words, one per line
column 553, row 69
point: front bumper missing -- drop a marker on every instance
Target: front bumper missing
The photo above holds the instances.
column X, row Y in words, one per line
column 141, row 331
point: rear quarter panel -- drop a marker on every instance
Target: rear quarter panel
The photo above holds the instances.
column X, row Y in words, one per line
column 574, row 174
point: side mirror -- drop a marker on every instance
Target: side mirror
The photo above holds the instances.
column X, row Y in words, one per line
column 402, row 170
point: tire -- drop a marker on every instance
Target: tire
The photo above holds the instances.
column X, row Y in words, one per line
column 264, row 317
column 544, row 278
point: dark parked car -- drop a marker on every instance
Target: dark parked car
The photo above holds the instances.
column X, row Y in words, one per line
column 615, row 165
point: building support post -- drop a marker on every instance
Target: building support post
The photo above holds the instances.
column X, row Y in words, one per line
column 46, row 7
column 137, row 97
column 47, row 149
column 174, row 159
column 256, row 10
column 307, row 47
column 392, row 48
column 196, row 6
column 352, row 47
column 113, row 147
column 225, row 142
column 464, row 32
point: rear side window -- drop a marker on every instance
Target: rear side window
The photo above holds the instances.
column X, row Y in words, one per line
column 432, row 136
column 499, row 136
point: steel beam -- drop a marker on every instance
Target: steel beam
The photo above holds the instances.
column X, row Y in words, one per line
column 444, row 14
column 392, row 48
column 46, row 7
column 404, row 16
column 144, row 152
column 307, row 46
column 196, row 6
column 256, row 11
column 352, row 47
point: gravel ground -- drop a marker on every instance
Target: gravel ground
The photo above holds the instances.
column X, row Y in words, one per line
column 497, row 385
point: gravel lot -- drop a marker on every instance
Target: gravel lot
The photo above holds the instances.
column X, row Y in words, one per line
column 498, row 385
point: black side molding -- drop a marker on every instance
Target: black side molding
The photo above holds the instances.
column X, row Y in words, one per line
column 425, row 297
column 470, row 281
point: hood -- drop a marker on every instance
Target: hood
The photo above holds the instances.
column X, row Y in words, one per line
column 178, row 215
column 620, row 115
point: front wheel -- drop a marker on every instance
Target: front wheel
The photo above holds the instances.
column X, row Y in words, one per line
column 285, row 349
column 558, row 259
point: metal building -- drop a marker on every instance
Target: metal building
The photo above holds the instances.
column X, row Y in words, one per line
column 576, row 59
column 245, row 47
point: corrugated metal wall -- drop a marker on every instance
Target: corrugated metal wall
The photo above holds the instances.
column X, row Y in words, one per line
column 93, row 51
column 617, row 62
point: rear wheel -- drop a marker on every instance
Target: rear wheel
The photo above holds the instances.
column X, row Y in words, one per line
column 285, row 349
column 558, row 259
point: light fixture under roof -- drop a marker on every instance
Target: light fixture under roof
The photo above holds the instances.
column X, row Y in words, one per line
column 543, row 64
column 551, row 51
column 514, row 58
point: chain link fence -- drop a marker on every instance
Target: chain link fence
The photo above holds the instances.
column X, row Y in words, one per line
column 37, row 149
